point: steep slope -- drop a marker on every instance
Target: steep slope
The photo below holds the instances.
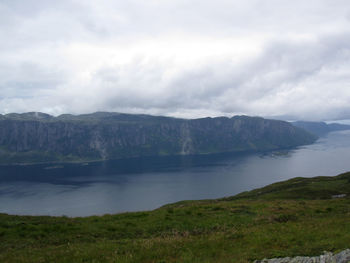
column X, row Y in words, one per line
column 38, row 137
column 320, row 128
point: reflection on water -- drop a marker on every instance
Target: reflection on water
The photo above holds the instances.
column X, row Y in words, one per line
column 147, row 183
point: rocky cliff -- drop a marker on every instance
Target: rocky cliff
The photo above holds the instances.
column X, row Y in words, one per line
column 38, row 137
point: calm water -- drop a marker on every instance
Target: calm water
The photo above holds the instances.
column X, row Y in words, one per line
column 147, row 183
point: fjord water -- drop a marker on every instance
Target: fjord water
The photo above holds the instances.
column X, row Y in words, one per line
column 147, row 183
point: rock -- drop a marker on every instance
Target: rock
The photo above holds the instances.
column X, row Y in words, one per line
column 343, row 256
column 327, row 257
column 338, row 196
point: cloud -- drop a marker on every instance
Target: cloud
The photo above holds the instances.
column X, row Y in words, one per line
column 178, row 58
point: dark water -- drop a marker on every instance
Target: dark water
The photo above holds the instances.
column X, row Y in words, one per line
column 147, row 183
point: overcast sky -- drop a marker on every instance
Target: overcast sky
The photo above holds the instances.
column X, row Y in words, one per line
column 184, row 58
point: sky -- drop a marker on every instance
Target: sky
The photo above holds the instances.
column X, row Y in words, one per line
column 183, row 58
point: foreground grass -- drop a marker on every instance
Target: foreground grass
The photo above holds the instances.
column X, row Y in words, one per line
column 296, row 217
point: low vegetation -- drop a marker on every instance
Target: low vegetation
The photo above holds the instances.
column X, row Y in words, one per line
column 296, row 217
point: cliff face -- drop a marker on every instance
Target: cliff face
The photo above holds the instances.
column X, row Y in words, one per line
column 34, row 137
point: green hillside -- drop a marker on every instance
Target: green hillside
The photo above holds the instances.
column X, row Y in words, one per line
column 296, row 217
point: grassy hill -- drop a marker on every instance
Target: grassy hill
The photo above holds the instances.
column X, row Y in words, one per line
column 301, row 216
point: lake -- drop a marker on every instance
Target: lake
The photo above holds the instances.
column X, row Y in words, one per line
column 148, row 183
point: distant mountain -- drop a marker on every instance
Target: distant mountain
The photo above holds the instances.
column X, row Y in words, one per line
column 320, row 128
column 38, row 137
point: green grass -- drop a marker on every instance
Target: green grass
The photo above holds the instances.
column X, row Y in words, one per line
column 295, row 217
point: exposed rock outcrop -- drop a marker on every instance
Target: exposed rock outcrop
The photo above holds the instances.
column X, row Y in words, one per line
column 327, row 257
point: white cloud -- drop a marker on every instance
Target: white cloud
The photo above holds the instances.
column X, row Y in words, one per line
column 179, row 58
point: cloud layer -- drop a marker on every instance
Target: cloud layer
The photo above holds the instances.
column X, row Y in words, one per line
column 283, row 59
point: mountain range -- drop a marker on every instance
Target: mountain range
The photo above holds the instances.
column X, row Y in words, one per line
column 320, row 128
column 38, row 137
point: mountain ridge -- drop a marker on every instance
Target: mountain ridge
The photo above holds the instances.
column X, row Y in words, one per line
column 320, row 128
column 38, row 137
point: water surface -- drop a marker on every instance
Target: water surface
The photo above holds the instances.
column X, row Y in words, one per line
column 147, row 183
